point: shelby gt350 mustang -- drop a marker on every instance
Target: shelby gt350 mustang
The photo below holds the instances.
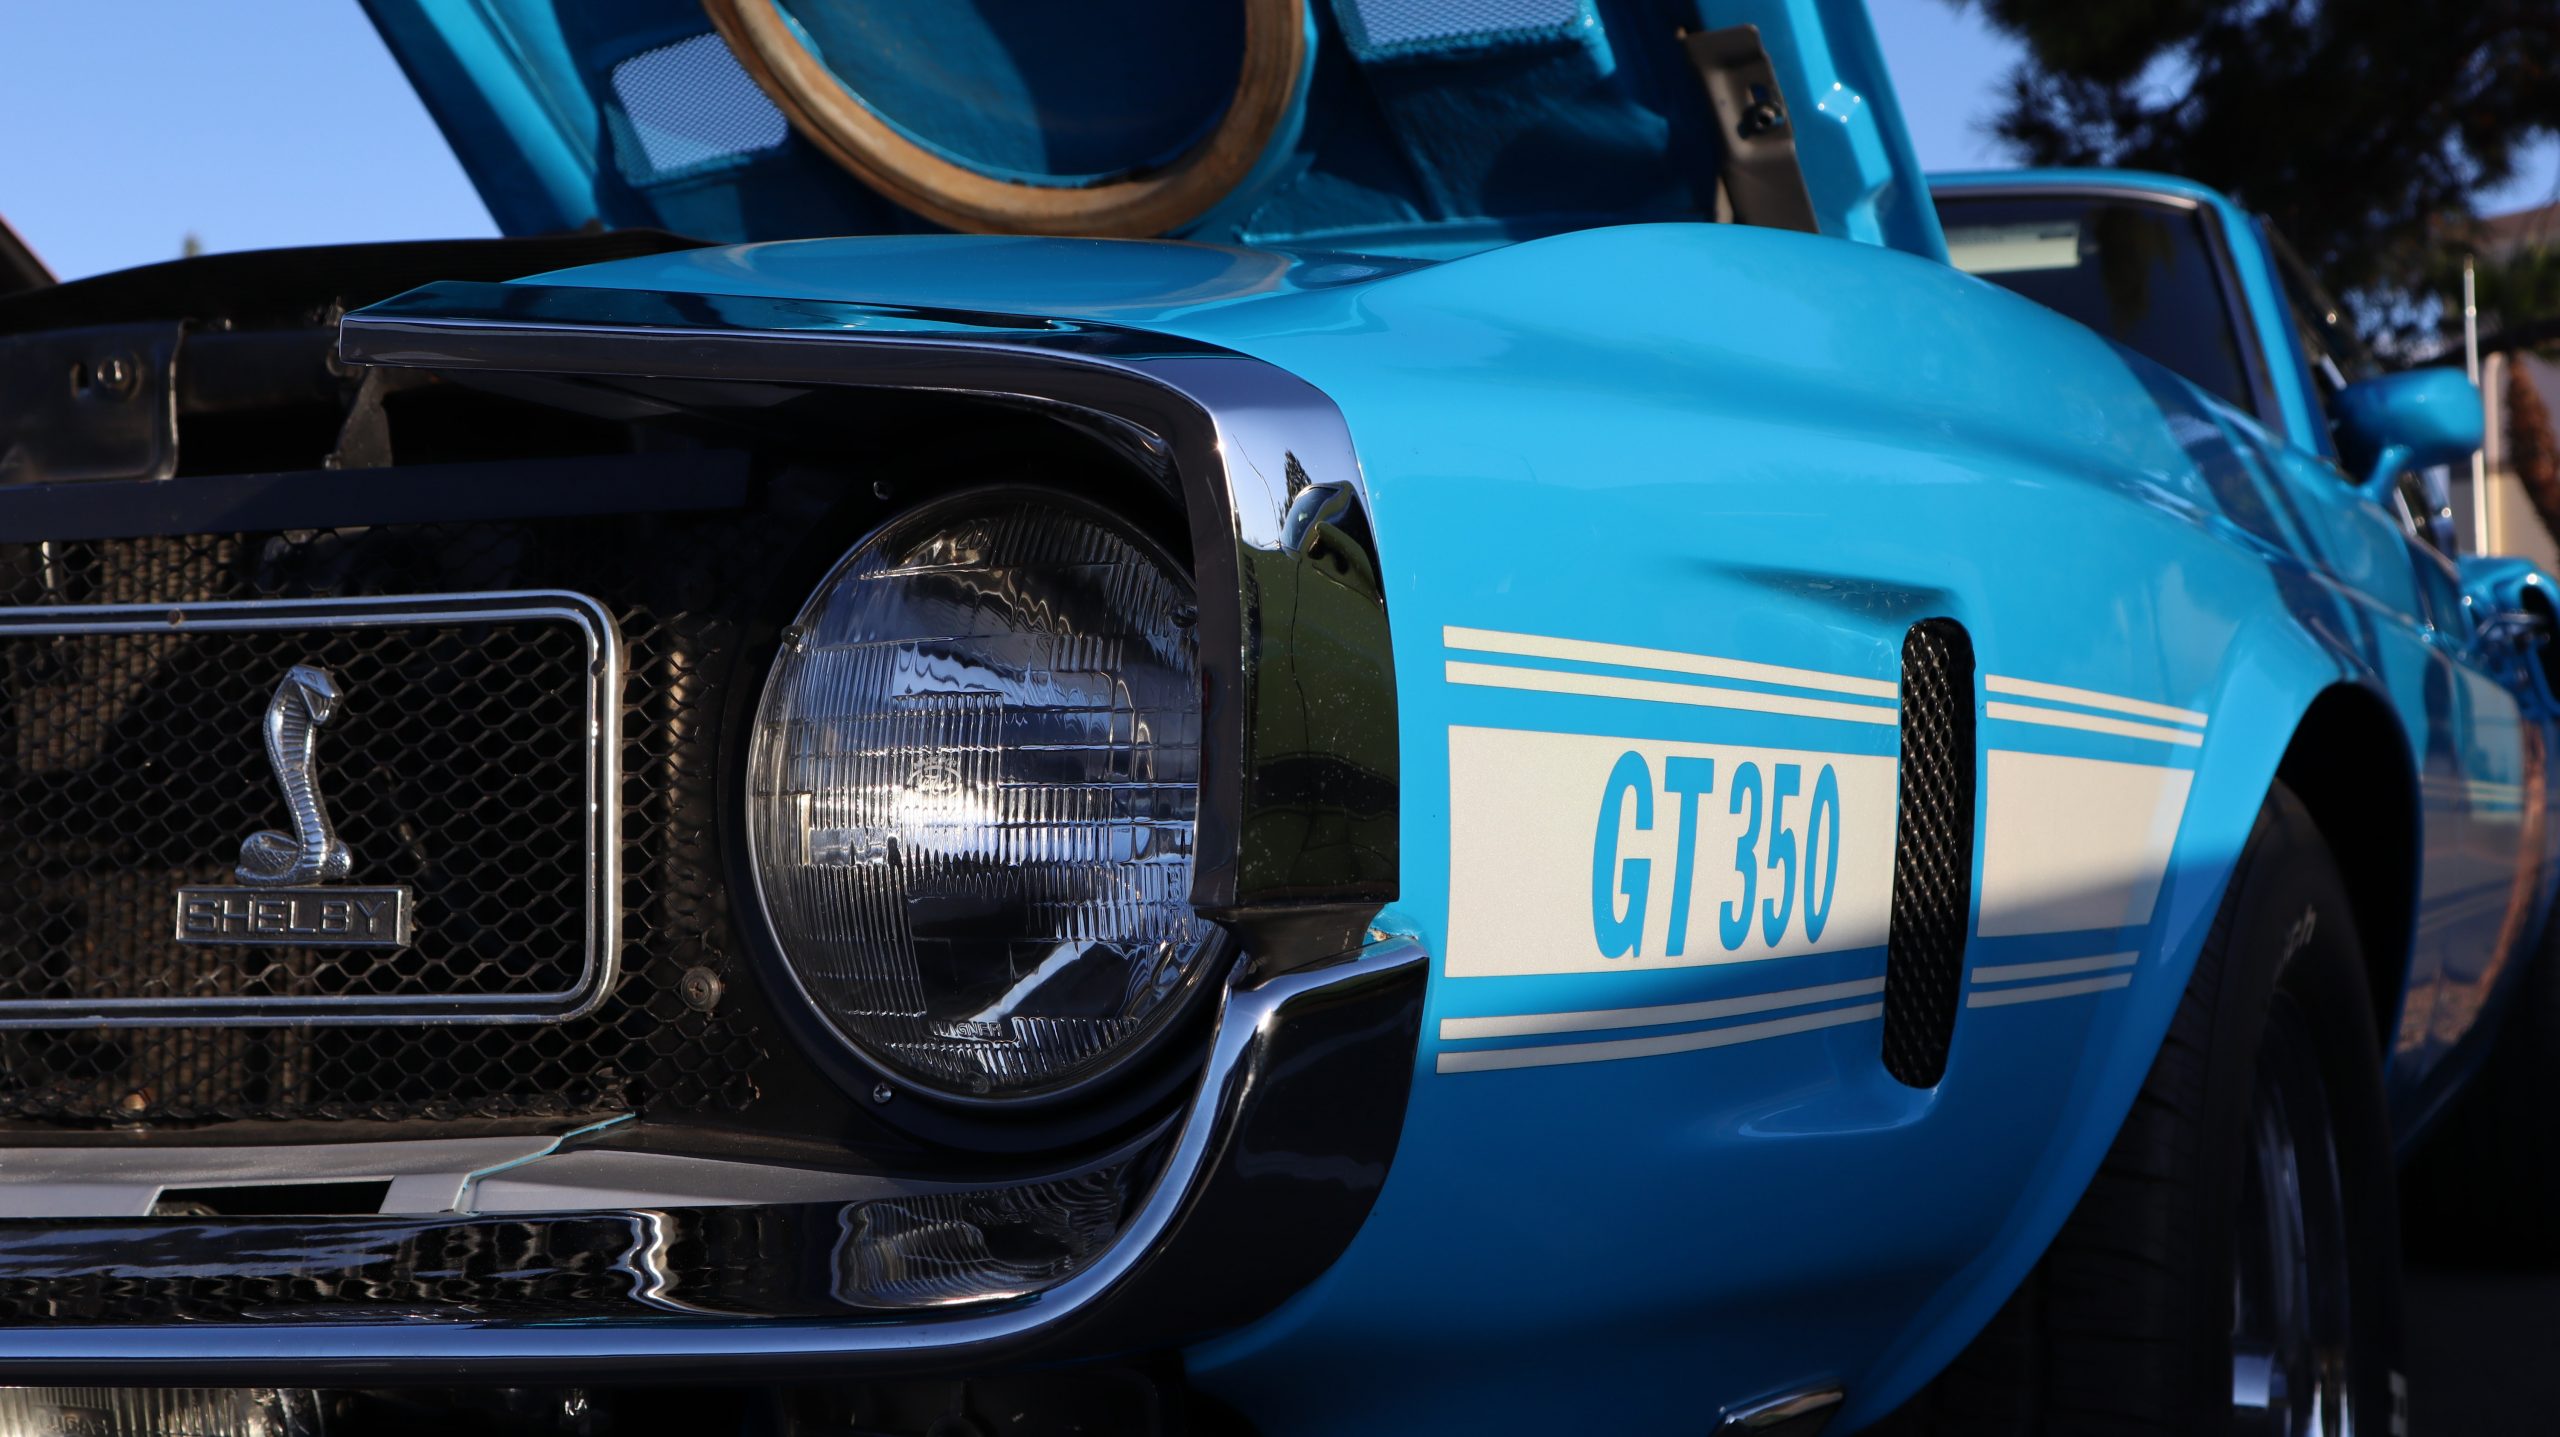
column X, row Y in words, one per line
column 1449, row 740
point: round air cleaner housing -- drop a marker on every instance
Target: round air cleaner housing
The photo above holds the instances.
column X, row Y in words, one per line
column 1105, row 117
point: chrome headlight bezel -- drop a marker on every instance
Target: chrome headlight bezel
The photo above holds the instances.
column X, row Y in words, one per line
column 1137, row 1068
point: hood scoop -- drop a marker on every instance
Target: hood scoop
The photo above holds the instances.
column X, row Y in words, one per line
column 1111, row 117
column 1419, row 127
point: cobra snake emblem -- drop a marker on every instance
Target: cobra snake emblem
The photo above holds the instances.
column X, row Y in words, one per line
column 312, row 852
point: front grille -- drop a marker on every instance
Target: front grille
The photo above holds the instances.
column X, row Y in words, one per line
column 1932, row 852
column 451, row 708
column 455, row 765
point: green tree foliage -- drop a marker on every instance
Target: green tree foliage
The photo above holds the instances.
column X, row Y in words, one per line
column 2361, row 127
column 2515, row 292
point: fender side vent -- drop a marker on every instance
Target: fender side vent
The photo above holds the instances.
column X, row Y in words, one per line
column 1932, row 852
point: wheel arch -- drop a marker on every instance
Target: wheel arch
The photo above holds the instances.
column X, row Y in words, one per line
column 2289, row 704
column 2350, row 763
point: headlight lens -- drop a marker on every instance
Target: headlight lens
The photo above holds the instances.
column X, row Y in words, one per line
column 972, row 787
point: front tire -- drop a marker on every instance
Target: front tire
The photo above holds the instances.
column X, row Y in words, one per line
column 2234, row 1266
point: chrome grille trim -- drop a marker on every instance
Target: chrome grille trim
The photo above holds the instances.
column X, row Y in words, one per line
column 602, row 741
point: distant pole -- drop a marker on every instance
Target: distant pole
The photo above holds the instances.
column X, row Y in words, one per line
column 2471, row 366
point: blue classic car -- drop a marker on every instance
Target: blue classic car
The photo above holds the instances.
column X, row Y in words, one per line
column 1447, row 739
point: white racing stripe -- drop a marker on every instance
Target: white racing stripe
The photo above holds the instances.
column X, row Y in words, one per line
column 2073, row 845
column 1523, row 1024
column 2092, row 699
column 1628, row 656
column 2091, row 723
column 1661, row 691
column 1492, row 1059
column 2038, row 992
column 2013, row 972
column 1566, row 854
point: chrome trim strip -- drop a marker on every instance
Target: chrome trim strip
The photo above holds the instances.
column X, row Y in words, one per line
column 491, row 1348
column 2010, row 190
column 125, row 1179
column 1799, row 1412
column 603, row 931
column 597, row 1179
column 488, row 1177
column 1273, row 489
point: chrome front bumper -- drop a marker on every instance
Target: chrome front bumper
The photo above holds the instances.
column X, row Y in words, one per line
column 1266, row 1176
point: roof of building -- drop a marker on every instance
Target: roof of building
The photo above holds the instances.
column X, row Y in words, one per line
column 2503, row 235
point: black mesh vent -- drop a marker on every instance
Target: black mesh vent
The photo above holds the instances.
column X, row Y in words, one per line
column 1932, row 852
column 686, row 592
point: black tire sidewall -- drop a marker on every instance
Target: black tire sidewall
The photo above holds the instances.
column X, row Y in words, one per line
column 2287, row 929
column 2124, row 1326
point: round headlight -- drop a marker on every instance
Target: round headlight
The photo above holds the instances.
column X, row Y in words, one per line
column 971, row 795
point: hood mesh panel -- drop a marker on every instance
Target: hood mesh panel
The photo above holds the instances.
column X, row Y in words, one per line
column 687, row 109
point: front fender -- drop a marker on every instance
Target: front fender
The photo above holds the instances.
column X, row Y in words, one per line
column 1646, row 461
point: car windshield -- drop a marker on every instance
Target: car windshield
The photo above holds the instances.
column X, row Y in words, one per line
column 2139, row 271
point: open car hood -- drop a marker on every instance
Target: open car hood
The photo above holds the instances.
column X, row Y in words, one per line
column 1425, row 127
column 19, row 267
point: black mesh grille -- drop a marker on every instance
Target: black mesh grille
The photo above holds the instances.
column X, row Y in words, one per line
column 686, row 592
column 133, row 763
column 1932, row 852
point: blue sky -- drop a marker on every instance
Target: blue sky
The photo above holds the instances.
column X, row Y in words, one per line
column 126, row 125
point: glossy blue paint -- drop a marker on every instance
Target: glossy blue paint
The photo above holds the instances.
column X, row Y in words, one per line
column 2481, row 729
column 1473, row 130
column 1146, row 284
column 1719, row 465
column 2415, row 419
column 1680, row 437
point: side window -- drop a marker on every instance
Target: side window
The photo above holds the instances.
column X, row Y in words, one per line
column 2330, row 347
column 2337, row 357
column 2144, row 272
